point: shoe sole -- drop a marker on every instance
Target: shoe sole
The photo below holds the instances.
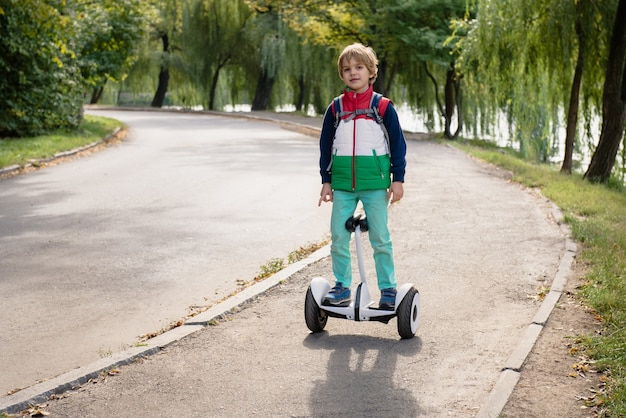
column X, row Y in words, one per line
column 342, row 303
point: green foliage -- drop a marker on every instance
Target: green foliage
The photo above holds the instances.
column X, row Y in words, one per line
column 49, row 52
column 305, row 251
column 109, row 32
column 271, row 267
column 519, row 58
column 404, row 34
column 40, row 83
column 213, row 37
column 163, row 18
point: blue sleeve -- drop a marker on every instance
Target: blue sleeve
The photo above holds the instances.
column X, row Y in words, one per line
column 397, row 143
column 326, row 144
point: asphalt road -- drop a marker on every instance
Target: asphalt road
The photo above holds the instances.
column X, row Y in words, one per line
column 479, row 249
column 101, row 250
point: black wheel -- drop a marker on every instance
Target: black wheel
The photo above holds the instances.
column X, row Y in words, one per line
column 409, row 314
column 315, row 317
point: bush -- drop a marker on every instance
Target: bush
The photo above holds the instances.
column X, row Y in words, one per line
column 40, row 82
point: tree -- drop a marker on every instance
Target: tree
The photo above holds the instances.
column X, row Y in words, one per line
column 271, row 53
column 167, row 28
column 424, row 30
column 614, row 103
column 528, row 60
column 40, row 82
column 403, row 33
column 110, row 31
column 573, row 54
column 214, row 36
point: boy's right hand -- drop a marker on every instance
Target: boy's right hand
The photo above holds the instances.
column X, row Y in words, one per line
column 326, row 195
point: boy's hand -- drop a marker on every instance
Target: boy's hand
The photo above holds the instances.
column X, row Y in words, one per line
column 396, row 191
column 326, row 195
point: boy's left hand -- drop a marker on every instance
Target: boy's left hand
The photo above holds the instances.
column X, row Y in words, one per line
column 396, row 191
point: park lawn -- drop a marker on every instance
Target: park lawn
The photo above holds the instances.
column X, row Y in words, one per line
column 21, row 151
column 596, row 214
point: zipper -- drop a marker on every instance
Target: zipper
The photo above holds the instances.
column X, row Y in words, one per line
column 354, row 144
column 354, row 153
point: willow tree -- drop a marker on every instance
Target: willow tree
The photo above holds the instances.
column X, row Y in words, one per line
column 613, row 103
column 268, row 34
column 403, row 34
column 166, row 27
column 424, row 29
column 531, row 59
column 307, row 76
column 213, row 38
column 335, row 24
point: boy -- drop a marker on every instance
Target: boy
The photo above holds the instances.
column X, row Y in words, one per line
column 358, row 163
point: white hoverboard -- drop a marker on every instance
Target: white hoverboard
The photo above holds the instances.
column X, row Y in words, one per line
column 407, row 306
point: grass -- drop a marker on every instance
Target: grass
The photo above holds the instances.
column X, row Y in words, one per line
column 596, row 215
column 21, row 151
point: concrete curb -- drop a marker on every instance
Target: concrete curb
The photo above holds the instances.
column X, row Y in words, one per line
column 41, row 392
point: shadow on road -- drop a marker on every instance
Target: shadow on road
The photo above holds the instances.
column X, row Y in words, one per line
column 361, row 376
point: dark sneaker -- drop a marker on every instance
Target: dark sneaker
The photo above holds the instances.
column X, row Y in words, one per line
column 338, row 295
column 388, row 299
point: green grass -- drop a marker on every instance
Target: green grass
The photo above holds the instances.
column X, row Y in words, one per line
column 597, row 217
column 21, row 151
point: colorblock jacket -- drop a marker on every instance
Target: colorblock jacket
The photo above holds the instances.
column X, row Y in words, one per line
column 356, row 155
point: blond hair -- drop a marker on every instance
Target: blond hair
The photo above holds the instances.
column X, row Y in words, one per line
column 360, row 53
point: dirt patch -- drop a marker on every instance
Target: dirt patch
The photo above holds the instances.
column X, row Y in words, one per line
column 555, row 380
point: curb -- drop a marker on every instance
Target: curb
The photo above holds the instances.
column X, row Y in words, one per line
column 41, row 392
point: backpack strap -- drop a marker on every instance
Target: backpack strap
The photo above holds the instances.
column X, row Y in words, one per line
column 378, row 106
column 337, row 110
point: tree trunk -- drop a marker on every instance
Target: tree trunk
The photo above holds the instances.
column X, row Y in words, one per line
column 301, row 91
column 216, row 76
column 379, row 84
column 96, row 93
column 613, row 103
column 164, row 76
column 449, row 101
column 263, row 92
column 390, row 77
column 572, row 112
column 459, row 107
column 436, row 85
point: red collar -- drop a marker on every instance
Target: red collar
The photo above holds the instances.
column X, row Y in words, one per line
column 353, row 100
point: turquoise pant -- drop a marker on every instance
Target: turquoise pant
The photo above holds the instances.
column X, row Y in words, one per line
column 375, row 205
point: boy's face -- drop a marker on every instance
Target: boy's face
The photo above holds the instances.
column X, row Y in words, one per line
column 356, row 75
